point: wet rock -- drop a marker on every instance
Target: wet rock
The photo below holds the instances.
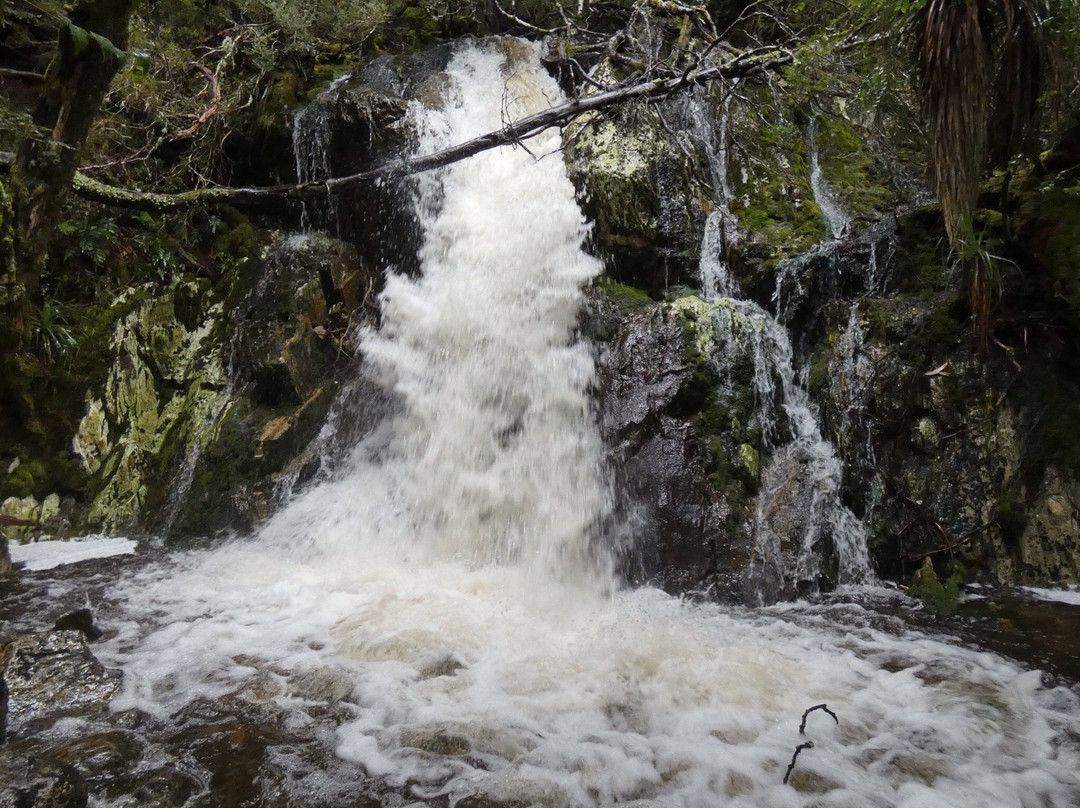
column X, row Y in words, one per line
column 277, row 347
column 808, row 782
column 328, row 685
column 519, row 794
column 358, row 121
column 5, row 557
column 633, row 178
column 164, row 787
column 3, row 709
column 1049, row 550
column 651, row 398
column 291, row 316
column 35, row 781
column 229, row 740
column 437, row 741
column 165, row 388
column 79, row 620
column 53, row 674
column 105, row 755
column 442, row 666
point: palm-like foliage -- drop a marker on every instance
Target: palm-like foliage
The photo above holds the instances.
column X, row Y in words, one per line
column 982, row 68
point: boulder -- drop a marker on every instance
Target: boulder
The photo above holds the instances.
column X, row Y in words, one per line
column 52, row 675
column 656, row 389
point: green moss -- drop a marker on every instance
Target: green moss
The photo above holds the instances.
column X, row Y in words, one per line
column 237, row 243
column 750, row 459
column 851, row 169
column 773, row 198
column 818, row 378
column 25, row 481
column 626, row 296
column 1050, row 220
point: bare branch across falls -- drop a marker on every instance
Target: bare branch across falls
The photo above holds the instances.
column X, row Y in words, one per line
column 747, row 64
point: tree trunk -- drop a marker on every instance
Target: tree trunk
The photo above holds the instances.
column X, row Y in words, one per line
column 88, row 54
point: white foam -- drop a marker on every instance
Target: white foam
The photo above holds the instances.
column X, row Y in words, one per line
column 50, row 553
column 593, row 699
column 1070, row 596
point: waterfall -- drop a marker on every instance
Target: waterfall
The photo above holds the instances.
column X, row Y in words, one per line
column 721, row 225
column 795, row 454
column 425, row 627
column 311, row 152
column 492, row 454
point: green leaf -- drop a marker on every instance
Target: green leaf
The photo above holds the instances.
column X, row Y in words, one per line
column 80, row 38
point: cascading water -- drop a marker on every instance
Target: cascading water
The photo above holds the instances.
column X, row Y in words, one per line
column 721, row 225
column 836, row 218
column 795, row 454
column 448, row 575
column 311, row 150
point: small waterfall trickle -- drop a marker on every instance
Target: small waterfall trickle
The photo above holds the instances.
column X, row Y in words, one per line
column 721, row 225
column 312, row 141
column 837, row 219
column 799, row 513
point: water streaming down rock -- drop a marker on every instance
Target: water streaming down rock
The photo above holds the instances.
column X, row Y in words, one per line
column 311, row 153
column 721, row 225
column 836, row 218
column 800, row 519
column 435, row 579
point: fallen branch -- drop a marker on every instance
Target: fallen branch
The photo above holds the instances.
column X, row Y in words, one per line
column 824, row 708
column 798, row 751
column 21, row 75
column 750, row 63
column 7, row 520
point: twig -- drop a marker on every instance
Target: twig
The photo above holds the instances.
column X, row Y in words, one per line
column 210, row 111
column 798, row 751
column 21, row 75
column 522, row 22
column 802, row 727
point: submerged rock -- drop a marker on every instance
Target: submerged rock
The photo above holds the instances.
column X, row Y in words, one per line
column 33, row 781
column 53, row 674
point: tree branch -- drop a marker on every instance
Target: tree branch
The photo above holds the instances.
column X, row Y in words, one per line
column 798, row 750
column 822, row 707
column 750, row 63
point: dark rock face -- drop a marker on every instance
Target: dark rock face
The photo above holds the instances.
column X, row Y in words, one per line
column 79, row 620
column 3, row 709
column 675, row 519
column 53, row 674
column 289, row 347
column 358, row 122
column 39, row 782
column 635, row 186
